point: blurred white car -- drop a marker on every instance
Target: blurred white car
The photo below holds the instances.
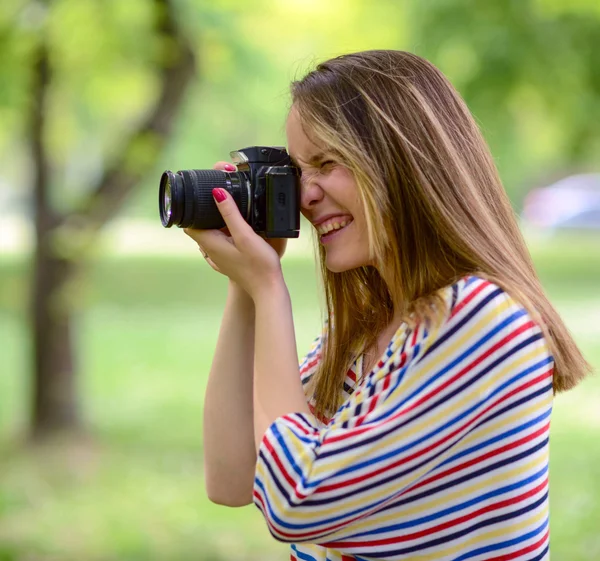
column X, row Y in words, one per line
column 573, row 202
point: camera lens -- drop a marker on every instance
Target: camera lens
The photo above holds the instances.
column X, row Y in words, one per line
column 170, row 199
column 167, row 200
column 185, row 198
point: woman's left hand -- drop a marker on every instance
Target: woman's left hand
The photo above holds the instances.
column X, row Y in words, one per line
column 243, row 256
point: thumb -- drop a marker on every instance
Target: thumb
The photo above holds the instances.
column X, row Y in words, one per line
column 237, row 226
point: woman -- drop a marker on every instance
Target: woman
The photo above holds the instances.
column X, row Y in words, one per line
column 417, row 426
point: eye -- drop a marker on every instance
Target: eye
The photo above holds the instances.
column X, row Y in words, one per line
column 327, row 164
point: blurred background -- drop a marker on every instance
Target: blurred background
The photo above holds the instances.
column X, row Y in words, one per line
column 108, row 321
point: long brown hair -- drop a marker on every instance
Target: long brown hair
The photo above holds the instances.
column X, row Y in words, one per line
column 435, row 207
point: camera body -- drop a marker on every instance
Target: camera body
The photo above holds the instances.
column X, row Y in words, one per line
column 274, row 185
column 265, row 188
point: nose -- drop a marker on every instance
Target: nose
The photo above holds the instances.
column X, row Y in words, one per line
column 310, row 193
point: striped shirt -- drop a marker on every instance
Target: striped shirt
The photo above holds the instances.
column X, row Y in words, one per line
column 440, row 452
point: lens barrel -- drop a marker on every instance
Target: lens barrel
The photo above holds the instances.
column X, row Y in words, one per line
column 185, row 198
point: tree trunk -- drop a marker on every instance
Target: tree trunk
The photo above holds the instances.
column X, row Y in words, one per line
column 54, row 405
column 54, row 393
column 61, row 239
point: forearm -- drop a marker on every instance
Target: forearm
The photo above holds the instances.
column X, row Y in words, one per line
column 229, row 453
column 277, row 386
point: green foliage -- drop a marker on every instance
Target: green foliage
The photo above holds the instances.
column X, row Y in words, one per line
column 529, row 72
column 528, row 69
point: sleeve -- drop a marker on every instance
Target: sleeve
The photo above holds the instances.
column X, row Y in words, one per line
column 313, row 484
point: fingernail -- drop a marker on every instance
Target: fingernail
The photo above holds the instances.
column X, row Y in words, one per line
column 229, row 167
column 219, row 194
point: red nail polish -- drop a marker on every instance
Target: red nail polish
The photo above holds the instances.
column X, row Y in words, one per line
column 219, row 194
column 229, row 167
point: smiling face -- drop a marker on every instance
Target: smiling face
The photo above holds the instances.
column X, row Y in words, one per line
column 329, row 200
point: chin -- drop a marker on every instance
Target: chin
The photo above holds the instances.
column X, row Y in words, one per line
column 339, row 264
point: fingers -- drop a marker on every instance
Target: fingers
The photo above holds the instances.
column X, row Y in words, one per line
column 213, row 242
column 239, row 229
column 224, row 166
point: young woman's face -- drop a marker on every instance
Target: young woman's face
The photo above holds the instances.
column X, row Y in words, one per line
column 329, row 200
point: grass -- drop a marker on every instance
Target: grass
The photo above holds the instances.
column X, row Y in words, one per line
column 133, row 489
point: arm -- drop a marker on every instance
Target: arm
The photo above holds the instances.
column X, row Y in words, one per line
column 415, row 414
column 277, row 386
column 229, row 454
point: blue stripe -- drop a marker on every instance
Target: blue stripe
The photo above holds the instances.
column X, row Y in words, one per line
column 398, row 475
column 542, row 391
column 458, row 507
column 338, row 499
column 459, row 325
column 486, row 470
column 541, row 555
column 507, row 543
column 395, row 476
column 395, row 426
column 454, row 363
column 303, row 556
column 481, row 524
column 498, row 438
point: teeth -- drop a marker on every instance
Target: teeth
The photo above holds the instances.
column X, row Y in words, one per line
column 332, row 226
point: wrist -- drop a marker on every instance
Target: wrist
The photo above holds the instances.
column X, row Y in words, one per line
column 239, row 296
column 270, row 290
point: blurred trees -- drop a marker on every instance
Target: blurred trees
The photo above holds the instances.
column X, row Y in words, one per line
column 89, row 90
column 63, row 232
column 529, row 71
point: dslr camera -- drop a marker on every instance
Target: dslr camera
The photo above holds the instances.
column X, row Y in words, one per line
column 265, row 188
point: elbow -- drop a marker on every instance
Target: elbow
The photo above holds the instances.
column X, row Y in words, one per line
column 227, row 498
column 229, row 486
column 229, row 491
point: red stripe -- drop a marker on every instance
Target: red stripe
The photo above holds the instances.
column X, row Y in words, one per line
column 321, row 489
column 306, row 368
column 300, row 427
column 486, row 456
column 351, row 375
column 351, row 434
column 495, row 452
column 415, row 455
column 387, row 382
column 525, row 550
column 450, row 523
column 469, row 367
column 414, row 337
column 489, row 454
column 478, row 288
column 287, row 476
column 321, row 418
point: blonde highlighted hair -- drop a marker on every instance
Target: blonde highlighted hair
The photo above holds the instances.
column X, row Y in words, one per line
column 435, row 207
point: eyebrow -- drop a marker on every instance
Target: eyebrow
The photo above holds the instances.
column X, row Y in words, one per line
column 312, row 160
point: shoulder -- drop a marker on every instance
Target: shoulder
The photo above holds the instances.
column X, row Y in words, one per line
column 474, row 298
column 482, row 318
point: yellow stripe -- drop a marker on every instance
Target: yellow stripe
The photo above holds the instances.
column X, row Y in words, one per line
column 448, row 499
column 505, row 532
column 300, row 451
column 301, row 457
column 299, row 516
column 427, row 422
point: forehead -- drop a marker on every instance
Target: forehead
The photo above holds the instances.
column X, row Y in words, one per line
column 300, row 146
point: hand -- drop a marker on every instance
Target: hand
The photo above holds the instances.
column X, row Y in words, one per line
column 241, row 254
column 278, row 244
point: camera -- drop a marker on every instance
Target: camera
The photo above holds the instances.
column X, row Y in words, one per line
column 265, row 188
